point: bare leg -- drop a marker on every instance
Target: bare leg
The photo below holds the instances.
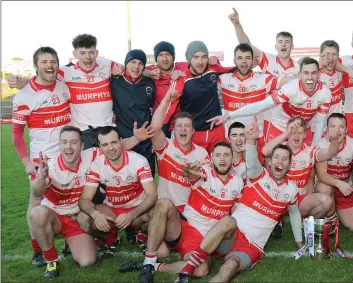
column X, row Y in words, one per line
column 33, row 202
column 346, row 216
column 316, row 205
column 83, row 248
column 328, row 190
column 228, row 270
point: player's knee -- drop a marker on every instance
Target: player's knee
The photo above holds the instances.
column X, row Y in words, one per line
column 325, row 201
column 38, row 215
column 86, row 261
column 231, row 265
column 202, row 270
column 227, row 224
column 84, row 221
column 163, row 205
column 323, row 189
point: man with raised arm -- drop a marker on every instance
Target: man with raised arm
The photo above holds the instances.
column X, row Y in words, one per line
column 262, row 202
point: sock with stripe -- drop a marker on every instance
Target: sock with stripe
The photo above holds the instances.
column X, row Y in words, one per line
column 150, row 258
column 112, row 237
column 51, row 255
column 159, row 266
column 35, row 246
column 197, row 257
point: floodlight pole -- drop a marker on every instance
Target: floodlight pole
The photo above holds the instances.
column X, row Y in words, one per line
column 128, row 26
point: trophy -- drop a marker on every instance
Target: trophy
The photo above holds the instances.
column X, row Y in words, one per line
column 318, row 238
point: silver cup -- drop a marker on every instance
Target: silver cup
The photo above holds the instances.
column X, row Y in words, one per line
column 320, row 251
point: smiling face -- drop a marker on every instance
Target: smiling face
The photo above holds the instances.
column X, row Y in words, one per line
column 309, row 76
column 87, row 57
column 297, row 137
column 222, row 159
column 331, row 57
column 243, row 60
column 134, row 68
column 183, row 131
column 47, row 68
column 165, row 61
column 279, row 163
column 199, row 62
column 70, row 146
column 284, row 46
column 237, row 139
column 110, row 145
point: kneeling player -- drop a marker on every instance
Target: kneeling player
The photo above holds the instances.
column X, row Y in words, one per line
column 259, row 208
column 304, row 158
column 61, row 181
column 131, row 192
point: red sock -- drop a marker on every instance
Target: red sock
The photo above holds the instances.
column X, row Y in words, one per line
column 35, row 246
column 197, row 257
column 50, row 255
column 111, row 238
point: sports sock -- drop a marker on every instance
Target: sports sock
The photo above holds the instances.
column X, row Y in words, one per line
column 51, row 255
column 197, row 257
column 150, row 258
column 35, row 246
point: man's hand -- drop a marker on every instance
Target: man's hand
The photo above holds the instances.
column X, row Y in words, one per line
column 118, row 70
column 323, row 60
column 30, row 167
column 218, row 120
column 15, row 81
column 333, row 135
column 155, row 74
column 234, row 17
column 114, row 118
column 171, row 95
column 123, row 220
column 293, row 126
column 252, row 132
column 176, row 75
column 213, row 60
column 43, row 166
column 144, row 132
column 345, row 188
column 101, row 221
column 192, row 170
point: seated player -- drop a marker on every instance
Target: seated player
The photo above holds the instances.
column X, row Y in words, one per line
column 299, row 97
column 246, row 232
column 131, row 192
column 213, row 195
column 172, row 154
column 334, row 174
column 60, row 181
column 303, row 160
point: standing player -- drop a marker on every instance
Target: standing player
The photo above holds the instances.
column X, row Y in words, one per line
column 173, row 154
column 348, row 93
column 336, row 172
column 131, row 192
column 303, row 160
column 60, row 181
column 302, row 97
column 43, row 106
column 263, row 201
column 212, row 197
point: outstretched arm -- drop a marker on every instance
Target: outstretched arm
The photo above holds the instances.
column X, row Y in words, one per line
column 296, row 223
column 253, row 166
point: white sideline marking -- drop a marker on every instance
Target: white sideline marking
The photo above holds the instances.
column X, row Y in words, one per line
column 128, row 254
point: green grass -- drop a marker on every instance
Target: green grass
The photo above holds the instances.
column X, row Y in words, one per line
column 15, row 241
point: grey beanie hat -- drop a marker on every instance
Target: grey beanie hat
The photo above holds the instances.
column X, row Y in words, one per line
column 193, row 47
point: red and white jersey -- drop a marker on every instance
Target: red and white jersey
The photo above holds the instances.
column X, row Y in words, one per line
column 334, row 83
column 240, row 169
column 45, row 110
column 271, row 64
column 65, row 184
column 211, row 199
column 123, row 185
column 348, row 85
column 295, row 101
column 171, row 183
column 238, row 92
column 261, row 205
column 302, row 164
column 91, row 99
column 339, row 166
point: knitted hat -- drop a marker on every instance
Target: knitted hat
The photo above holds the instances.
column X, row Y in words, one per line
column 164, row 46
column 194, row 47
column 136, row 54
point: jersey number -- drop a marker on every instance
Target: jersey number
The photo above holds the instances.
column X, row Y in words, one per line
column 90, row 79
column 242, row 89
column 55, row 100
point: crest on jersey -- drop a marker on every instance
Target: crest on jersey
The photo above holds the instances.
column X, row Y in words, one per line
column 213, row 78
column 286, row 197
column 348, row 160
column 148, row 90
column 302, row 163
column 102, row 74
column 253, row 87
column 14, row 107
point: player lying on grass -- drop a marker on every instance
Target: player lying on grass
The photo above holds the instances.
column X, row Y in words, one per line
column 240, row 239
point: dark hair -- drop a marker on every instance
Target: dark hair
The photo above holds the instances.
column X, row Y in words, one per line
column 84, row 40
column 103, row 131
column 308, row 61
column 337, row 115
column 303, row 123
column 244, row 47
column 329, row 43
column 71, row 129
column 285, row 147
column 44, row 50
column 235, row 125
column 185, row 115
column 224, row 144
column 285, row 34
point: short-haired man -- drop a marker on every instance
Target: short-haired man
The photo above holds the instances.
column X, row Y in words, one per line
column 261, row 204
column 336, row 172
column 303, row 161
column 214, row 191
column 131, row 192
column 133, row 97
column 303, row 97
column 43, row 106
column 60, row 182
column 172, row 154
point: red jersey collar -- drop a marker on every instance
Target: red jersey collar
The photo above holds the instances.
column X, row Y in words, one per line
column 235, row 75
column 242, row 159
column 176, row 144
column 77, row 66
column 322, row 70
column 129, row 79
column 125, row 161
column 63, row 166
column 291, row 63
column 318, row 86
column 216, row 175
column 37, row 87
